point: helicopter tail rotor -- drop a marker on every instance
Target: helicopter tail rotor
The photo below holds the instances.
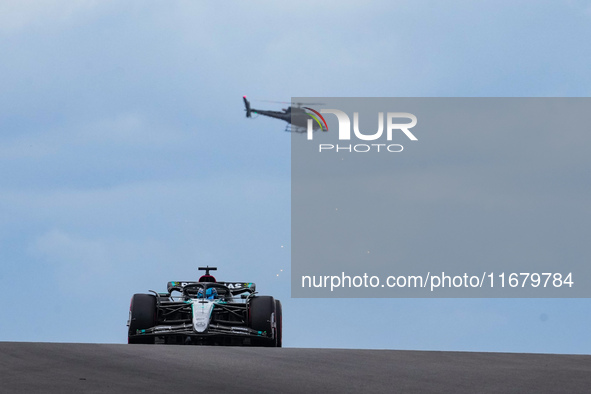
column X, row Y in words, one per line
column 247, row 105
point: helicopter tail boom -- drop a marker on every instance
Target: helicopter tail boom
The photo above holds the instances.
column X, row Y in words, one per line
column 247, row 105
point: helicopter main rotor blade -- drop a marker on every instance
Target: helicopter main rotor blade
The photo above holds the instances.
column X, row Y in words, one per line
column 272, row 101
column 300, row 104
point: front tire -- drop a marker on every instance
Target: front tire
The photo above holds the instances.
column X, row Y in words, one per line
column 278, row 323
column 142, row 315
column 261, row 311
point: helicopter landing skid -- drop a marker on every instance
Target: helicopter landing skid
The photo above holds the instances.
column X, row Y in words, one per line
column 295, row 129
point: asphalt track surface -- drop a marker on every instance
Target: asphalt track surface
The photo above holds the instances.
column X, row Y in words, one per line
column 96, row 368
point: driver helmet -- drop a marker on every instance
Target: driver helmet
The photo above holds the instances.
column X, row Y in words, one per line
column 210, row 294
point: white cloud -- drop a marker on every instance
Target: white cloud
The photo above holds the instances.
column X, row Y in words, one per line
column 123, row 130
column 18, row 15
column 76, row 260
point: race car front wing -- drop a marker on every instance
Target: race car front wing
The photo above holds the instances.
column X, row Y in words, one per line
column 214, row 329
column 194, row 318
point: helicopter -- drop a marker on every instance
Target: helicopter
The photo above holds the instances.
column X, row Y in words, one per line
column 296, row 117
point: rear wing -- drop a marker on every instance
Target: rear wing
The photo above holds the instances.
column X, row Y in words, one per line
column 235, row 287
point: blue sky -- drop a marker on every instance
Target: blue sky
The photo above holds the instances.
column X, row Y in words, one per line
column 126, row 160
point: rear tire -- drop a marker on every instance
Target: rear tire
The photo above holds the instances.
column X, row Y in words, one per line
column 261, row 311
column 142, row 315
column 278, row 323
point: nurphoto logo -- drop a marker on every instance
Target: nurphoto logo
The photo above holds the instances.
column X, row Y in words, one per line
column 345, row 130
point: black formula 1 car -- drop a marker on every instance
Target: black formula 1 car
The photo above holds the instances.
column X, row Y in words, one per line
column 205, row 312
